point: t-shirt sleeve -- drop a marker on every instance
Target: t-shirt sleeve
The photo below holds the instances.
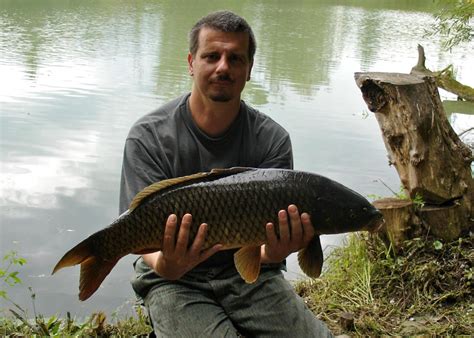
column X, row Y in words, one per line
column 139, row 170
column 279, row 153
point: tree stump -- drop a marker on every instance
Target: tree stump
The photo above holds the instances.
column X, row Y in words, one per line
column 399, row 215
column 432, row 162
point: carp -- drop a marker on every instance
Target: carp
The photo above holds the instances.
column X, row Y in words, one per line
column 236, row 203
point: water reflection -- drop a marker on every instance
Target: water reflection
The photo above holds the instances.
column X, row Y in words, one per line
column 463, row 125
column 74, row 76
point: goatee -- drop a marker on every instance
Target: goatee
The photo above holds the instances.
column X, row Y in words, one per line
column 221, row 97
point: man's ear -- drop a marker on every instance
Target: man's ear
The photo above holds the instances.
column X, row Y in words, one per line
column 250, row 71
column 190, row 64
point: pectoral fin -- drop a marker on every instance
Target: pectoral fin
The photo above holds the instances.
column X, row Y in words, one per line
column 247, row 263
column 145, row 251
column 311, row 258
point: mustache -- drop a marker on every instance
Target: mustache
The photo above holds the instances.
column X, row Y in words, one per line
column 222, row 78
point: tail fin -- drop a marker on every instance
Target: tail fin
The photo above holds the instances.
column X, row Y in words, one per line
column 94, row 269
column 76, row 255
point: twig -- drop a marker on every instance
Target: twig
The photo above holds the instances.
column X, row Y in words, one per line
column 386, row 186
column 466, row 131
column 24, row 321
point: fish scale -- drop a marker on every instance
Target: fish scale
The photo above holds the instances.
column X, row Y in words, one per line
column 236, row 204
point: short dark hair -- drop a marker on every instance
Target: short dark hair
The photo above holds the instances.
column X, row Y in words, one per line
column 224, row 21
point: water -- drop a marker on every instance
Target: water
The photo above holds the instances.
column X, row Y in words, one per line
column 74, row 76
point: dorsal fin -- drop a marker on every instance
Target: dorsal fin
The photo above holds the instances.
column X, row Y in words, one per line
column 230, row 171
column 162, row 185
column 155, row 187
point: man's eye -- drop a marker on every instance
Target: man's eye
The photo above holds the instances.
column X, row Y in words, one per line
column 211, row 57
column 236, row 58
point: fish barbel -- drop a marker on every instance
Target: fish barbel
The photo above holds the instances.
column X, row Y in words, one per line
column 236, row 204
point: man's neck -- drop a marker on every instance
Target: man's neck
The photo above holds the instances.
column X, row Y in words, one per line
column 213, row 118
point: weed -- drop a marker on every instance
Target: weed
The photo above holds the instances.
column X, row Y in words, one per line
column 19, row 322
column 418, row 201
column 7, row 276
column 95, row 325
column 424, row 288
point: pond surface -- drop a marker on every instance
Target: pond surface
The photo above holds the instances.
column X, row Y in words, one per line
column 75, row 75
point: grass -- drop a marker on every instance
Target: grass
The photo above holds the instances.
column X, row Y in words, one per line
column 95, row 325
column 426, row 289
column 366, row 290
column 16, row 321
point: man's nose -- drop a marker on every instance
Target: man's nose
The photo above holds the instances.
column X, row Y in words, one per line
column 223, row 65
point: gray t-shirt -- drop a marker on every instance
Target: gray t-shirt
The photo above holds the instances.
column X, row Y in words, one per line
column 167, row 143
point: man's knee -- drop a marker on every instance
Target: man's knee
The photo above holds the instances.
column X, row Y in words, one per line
column 175, row 312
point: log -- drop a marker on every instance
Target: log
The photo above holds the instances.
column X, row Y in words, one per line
column 444, row 78
column 432, row 162
column 399, row 215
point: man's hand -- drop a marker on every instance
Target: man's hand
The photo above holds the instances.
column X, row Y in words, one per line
column 175, row 258
column 292, row 238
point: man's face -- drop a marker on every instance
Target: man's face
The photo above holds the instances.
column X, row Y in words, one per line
column 221, row 65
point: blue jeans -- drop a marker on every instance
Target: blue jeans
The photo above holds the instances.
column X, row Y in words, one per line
column 218, row 303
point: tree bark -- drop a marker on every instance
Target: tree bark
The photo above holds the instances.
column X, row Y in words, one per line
column 443, row 222
column 433, row 164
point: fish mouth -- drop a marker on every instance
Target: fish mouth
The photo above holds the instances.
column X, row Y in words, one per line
column 376, row 223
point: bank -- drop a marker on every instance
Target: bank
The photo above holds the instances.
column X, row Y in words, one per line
column 426, row 288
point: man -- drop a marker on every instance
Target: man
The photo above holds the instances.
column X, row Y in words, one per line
column 190, row 292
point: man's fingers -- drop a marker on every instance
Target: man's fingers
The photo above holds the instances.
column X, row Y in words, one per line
column 183, row 235
column 296, row 228
column 199, row 240
column 283, row 226
column 169, row 234
column 308, row 228
column 271, row 236
column 209, row 252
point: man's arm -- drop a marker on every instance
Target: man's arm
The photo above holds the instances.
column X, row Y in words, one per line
column 139, row 170
column 280, row 154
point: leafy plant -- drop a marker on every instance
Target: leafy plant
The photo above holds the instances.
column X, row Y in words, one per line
column 453, row 23
column 374, row 197
column 95, row 325
column 437, row 245
column 8, row 277
column 19, row 323
column 418, row 200
column 423, row 289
